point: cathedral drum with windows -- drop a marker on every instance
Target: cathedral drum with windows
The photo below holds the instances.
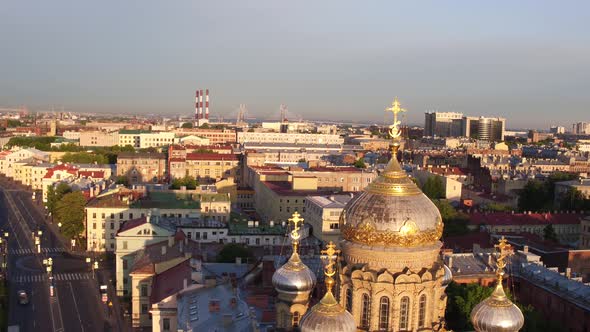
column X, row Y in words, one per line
column 392, row 276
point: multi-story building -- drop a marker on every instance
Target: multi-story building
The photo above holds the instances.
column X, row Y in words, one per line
column 105, row 213
column 204, row 166
column 581, row 128
column 482, row 128
column 215, row 136
column 141, row 167
column 449, row 176
column 130, row 137
column 562, row 188
column 8, row 160
column 585, row 233
column 292, row 153
column 442, row 124
column 156, row 139
column 566, row 225
column 296, row 138
column 322, row 213
column 99, row 138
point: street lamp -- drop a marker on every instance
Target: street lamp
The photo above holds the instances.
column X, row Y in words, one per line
column 59, row 226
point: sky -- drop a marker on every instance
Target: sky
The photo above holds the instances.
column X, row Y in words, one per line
column 528, row 61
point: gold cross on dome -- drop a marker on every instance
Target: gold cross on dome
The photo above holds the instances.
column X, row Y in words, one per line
column 504, row 252
column 395, row 108
column 296, row 220
column 330, row 254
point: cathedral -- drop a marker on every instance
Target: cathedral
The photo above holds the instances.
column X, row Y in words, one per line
column 390, row 275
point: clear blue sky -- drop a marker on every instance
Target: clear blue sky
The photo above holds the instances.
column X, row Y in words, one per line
column 526, row 60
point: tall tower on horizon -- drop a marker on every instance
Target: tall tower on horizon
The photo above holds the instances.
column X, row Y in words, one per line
column 201, row 118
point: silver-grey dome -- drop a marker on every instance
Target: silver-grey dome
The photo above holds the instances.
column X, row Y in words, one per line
column 294, row 277
column 497, row 314
column 447, row 277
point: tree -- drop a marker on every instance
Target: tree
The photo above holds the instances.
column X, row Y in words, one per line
column 70, row 212
column 187, row 125
column 54, row 195
column 360, row 163
column 461, row 300
column 549, row 233
column 434, row 188
column 533, row 196
column 189, row 182
column 122, row 180
column 455, row 222
column 204, row 126
column 574, row 199
column 231, row 251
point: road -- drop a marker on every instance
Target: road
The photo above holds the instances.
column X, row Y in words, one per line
column 76, row 304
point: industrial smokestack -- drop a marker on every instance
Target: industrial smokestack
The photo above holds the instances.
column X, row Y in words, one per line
column 201, row 104
column 197, row 104
column 207, row 105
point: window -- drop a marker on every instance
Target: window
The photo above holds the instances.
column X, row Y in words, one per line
column 112, row 225
column 422, row 311
column 144, row 309
column 130, row 215
column 166, row 324
column 124, row 244
column 296, row 317
column 365, row 311
column 144, row 290
column 349, row 300
column 94, row 215
column 121, row 215
column 93, row 225
column 204, row 235
column 404, row 309
column 384, row 313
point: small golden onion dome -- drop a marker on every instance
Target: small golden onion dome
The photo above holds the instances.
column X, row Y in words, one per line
column 447, row 277
column 391, row 211
column 294, row 277
column 327, row 315
column 497, row 313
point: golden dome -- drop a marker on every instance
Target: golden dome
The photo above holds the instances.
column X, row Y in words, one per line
column 497, row 313
column 328, row 314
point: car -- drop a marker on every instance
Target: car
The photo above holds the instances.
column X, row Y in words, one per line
column 23, row 297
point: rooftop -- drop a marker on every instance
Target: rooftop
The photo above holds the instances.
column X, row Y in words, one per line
column 506, row 218
column 330, row 202
column 284, row 188
column 140, row 155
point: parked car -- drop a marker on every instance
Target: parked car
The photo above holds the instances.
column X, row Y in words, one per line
column 23, row 297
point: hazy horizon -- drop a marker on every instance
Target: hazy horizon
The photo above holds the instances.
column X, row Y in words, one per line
column 527, row 61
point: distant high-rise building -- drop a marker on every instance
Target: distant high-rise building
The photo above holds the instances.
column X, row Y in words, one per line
column 581, row 128
column 487, row 129
column 442, row 124
column 555, row 130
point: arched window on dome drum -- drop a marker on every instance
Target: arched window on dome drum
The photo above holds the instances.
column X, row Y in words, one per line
column 349, row 300
column 384, row 314
column 422, row 311
column 296, row 317
column 404, row 310
column 365, row 312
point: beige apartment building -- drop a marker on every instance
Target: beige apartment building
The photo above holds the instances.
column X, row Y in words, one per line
column 296, row 138
column 106, row 213
column 142, row 167
column 215, row 136
column 98, row 138
column 323, row 214
column 205, row 166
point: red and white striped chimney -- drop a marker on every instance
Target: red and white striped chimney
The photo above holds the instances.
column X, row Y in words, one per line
column 197, row 104
column 201, row 104
column 207, row 105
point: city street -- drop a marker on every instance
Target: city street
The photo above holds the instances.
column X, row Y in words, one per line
column 76, row 304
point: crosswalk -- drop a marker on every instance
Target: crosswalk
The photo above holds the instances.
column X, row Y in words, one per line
column 29, row 251
column 30, row 278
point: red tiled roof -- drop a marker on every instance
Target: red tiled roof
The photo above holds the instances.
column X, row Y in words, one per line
column 170, row 281
column 92, row 174
column 129, row 224
column 505, row 218
column 446, row 170
column 211, row 156
column 63, row 167
column 465, row 242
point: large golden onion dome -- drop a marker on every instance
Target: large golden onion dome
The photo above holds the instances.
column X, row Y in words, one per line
column 294, row 276
column 497, row 313
column 392, row 210
column 328, row 314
